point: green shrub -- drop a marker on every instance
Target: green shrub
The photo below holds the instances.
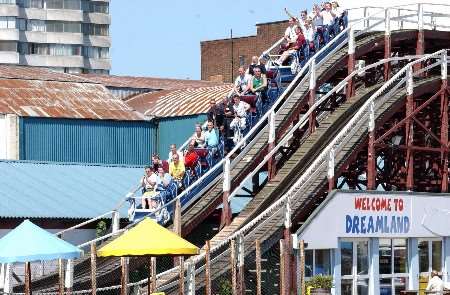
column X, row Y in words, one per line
column 318, row 282
column 100, row 229
column 225, row 287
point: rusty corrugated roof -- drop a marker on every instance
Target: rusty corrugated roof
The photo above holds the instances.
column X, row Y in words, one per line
column 35, row 98
column 180, row 102
column 35, row 73
column 146, row 82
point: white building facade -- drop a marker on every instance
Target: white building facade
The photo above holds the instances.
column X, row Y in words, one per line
column 70, row 36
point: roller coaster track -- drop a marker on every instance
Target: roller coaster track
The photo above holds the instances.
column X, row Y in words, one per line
column 294, row 103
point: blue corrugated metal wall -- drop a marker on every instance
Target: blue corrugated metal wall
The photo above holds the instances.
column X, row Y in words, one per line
column 176, row 130
column 87, row 141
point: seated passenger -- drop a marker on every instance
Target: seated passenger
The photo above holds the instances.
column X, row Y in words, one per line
column 317, row 22
column 293, row 49
column 157, row 162
column 160, row 214
column 329, row 21
column 308, row 33
column 199, row 137
column 254, row 65
column 148, row 181
column 191, row 158
column 163, row 179
column 341, row 21
column 211, row 138
column 214, row 113
column 240, row 109
column 289, row 35
column 258, row 85
column 173, row 151
column 177, row 170
column 241, row 82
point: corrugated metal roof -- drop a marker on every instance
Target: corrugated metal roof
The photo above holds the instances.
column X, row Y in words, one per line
column 35, row 73
column 181, row 102
column 51, row 190
column 146, row 82
column 37, row 98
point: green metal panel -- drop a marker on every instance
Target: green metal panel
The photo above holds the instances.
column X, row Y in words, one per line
column 176, row 130
column 87, row 141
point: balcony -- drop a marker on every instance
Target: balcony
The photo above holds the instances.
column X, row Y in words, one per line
column 9, row 10
column 71, row 61
column 51, row 14
column 9, row 57
column 51, row 37
column 97, row 41
column 97, row 63
column 97, row 18
column 9, row 34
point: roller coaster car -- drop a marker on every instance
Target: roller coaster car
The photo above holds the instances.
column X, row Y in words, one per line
column 156, row 210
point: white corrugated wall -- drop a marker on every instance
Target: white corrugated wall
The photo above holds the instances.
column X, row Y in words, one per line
column 9, row 140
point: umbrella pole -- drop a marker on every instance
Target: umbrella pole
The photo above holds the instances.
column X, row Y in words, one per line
column 27, row 278
column 61, row 276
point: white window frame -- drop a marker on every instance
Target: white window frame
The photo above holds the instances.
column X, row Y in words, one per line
column 394, row 275
column 430, row 255
column 355, row 276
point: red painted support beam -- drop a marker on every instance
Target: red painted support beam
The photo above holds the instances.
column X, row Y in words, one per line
column 420, row 48
column 387, row 54
column 350, row 68
column 371, row 158
column 444, row 135
column 409, row 133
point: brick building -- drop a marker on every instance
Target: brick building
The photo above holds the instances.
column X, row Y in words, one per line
column 219, row 56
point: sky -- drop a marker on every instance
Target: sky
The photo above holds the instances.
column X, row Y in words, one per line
column 162, row 38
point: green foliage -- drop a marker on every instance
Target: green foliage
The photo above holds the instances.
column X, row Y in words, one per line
column 320, row 282
column 225, row 287
column 100, row 229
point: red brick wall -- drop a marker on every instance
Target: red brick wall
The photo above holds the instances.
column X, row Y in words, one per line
column 216, row 54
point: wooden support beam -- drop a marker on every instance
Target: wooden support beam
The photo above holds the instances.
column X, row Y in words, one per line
column 153, row 274
column 61, row 276
column 258, row 266
column 207, row 269
column 226, row 210
column 93, row 268
column 181, row 282
column 28, row 278
column 124, row 276
column 282, row 269
column 233, row 267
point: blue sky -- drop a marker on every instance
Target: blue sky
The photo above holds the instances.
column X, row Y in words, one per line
column 162, row 38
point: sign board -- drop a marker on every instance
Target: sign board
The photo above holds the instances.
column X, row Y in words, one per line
column 389, row 215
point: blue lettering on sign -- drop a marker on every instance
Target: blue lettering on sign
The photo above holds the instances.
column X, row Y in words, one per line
column 382, row 224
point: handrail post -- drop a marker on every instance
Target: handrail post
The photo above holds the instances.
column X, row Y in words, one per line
column 312, row 95
column 240, row 263
column 351, row 62
column 7, row 286
column 409, row 130
column 115, row 221
column 124, row 276
column 226, row 211
column 444, row 121
column 190, row 269
column 331, row 166
column 288, row 242
column 366, row 21
column 61, row 284
column 177, row 217
column 420, row 45
column 387, row 44
column 371, row 156
column 271, row 165
column 68, row 282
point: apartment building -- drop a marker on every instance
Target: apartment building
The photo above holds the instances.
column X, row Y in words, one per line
column 69, row 36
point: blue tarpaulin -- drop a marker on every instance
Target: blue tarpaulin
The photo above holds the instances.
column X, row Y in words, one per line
column 28, row 242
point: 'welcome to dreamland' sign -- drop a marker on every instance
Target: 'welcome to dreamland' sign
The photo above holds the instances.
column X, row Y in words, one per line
column 363, row 215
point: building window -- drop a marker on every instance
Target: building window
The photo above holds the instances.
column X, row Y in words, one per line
column 63, row 4
column 354, row 267
column 317, row 262
column 430, row 256
column 96, row 52
column 96, row 29
column 66, row 27
column 35, row 25
column 50, row 49
column 241, row 60
column 7, row 1
column 95, row 71
column 31, row 3
column 95, row 6
column 393, row 265
column 7, row 22
column 8, row 46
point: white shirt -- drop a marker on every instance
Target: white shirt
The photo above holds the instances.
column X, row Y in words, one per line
column 435, row 284
column 290, row 33
column 241, row 109
column 241, row 82
column 328, row 19
column 180, row 157
column 317, row 19
column 309, row 33
column 150, row 181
